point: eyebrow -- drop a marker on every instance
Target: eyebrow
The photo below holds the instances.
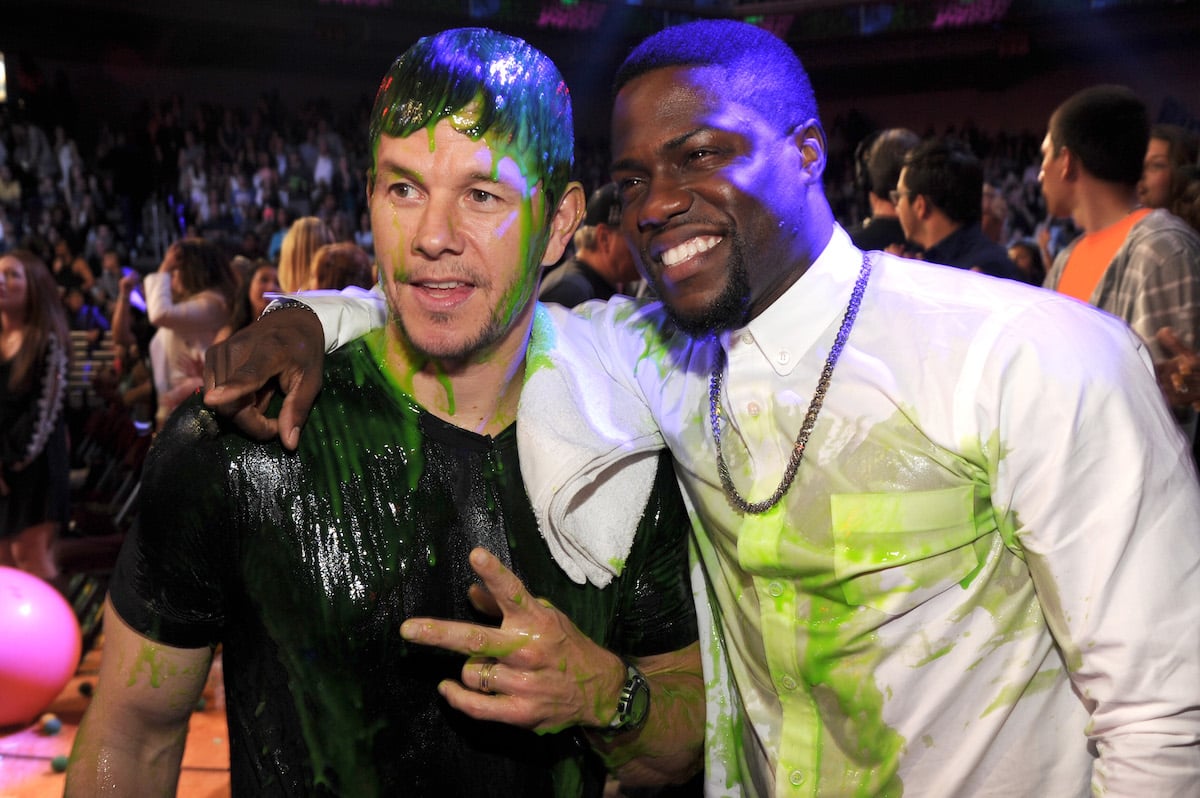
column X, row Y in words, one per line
column 390, row 167
column 668, row 146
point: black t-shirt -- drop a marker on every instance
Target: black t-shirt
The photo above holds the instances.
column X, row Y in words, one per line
column 303, row 565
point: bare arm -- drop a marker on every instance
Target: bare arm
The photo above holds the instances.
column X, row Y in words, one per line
column 669, row 747
column 131, row 739
column 122, row 323
column 546, row 675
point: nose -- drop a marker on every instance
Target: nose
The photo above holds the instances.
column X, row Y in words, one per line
column 663, row 199
column 437, row 232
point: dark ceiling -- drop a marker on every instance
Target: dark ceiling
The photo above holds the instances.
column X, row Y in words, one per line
column 848, row 45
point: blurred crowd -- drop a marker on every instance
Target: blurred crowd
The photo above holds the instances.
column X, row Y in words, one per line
column 162, row 233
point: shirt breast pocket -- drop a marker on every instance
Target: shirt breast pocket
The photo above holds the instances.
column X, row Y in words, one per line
column 895, row 551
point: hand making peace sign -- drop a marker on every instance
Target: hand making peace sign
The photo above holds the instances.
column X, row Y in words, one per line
column 536, row 670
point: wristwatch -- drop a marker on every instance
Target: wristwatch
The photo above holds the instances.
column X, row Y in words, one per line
column 634, row 703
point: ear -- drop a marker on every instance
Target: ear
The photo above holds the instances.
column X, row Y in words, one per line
column 605, row 236
column 810, row 141
column 922, row 207
column 1069, row 165
column 566, row 218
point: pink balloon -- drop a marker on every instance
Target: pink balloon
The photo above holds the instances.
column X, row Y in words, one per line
column 40, row 646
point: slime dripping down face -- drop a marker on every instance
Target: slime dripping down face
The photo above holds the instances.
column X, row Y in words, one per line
column 460, row 232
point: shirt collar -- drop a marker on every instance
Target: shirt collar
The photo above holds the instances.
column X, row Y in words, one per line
column 799, row 318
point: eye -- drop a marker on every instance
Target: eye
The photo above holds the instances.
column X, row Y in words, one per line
column 482, row 197
column 402, row 189
column 626, row 186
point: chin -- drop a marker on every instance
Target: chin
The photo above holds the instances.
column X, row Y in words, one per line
column 727, row 310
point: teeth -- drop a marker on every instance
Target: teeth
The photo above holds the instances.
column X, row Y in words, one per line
column 688, row 249
column 442, row 286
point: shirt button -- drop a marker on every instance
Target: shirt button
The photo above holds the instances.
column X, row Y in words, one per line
column 788, row 683
column 796, row 778
column 753, row 409
column 785, row 356
column 747, row 338
column 775, row 589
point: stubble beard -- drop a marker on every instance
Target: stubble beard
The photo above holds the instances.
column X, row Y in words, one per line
column 474, row 348
column 727, row 311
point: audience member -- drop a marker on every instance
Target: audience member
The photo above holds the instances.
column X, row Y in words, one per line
column 276, row 555
column 1139, row 264
column 132, row 334
column 188, row 300
column 1165, row 169
column 262, row 277
column 994, row 214
column 340, row 265
column 107, row 286
column 939, row 202
column 880, row 170
column 34, row 461
column 83, row 316
column 306, row 235
column 1026, row 255
column 602, row 264
column 70, row 270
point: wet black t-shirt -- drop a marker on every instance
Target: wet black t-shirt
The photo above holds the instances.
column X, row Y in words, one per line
column 303, row 565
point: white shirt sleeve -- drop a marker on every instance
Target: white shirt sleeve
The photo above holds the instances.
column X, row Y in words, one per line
column 344, row 315
column 1100, row 490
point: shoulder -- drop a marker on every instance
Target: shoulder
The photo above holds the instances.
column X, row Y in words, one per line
column 1159, row 229
column 957, row 302
column 638, row 332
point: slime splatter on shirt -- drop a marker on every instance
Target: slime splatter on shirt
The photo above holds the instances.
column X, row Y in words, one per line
column 304, row 565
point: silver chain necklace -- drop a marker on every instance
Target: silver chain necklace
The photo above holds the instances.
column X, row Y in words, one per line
column 810, row 418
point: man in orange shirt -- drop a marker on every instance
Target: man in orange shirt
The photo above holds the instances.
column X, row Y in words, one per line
column 1139, row 264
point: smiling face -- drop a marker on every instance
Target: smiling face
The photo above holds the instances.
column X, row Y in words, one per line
column 460, row 234
column 265, row 278
column 715, row 198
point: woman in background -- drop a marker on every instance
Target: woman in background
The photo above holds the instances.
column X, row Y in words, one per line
column 34, row 464
column 188, row 300
column 1170, row 157
column 337, row 266
column 306, row 235
column 249, row 304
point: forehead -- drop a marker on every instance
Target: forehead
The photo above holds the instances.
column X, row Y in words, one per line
column 442, row 149
column 1160, row 147
column 670, row 100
